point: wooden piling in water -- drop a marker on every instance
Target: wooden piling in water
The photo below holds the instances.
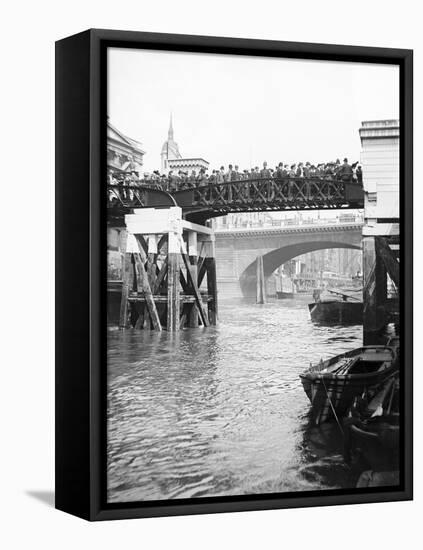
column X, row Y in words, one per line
column 144, row 284
column 163, row 275
column 212, row 283
column 173, row 275
column 375, row 313
column 193, row 259
column 126, row 267
column 173, row 302
column 260, row 284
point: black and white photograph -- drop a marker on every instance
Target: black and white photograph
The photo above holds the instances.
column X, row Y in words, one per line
column 253, row 289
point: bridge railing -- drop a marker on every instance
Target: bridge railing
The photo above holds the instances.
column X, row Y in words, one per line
column 261, row 194
column 128, row 195
column 287, row 192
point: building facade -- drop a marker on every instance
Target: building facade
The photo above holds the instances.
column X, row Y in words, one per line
column 124, row 154
column 380, row 161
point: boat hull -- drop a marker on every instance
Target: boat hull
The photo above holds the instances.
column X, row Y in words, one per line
column 378, row 441
column 284, row 295
column 331, row 394
column 336, row 312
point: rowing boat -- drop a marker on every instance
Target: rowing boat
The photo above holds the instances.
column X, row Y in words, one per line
column 332, row 385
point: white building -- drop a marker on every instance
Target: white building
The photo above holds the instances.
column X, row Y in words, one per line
column 380, row 162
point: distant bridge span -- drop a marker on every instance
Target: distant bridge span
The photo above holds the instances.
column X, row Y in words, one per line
column 217, row 199
column 237, row 250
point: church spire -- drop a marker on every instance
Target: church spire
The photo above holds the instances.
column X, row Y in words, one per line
column 170, row 132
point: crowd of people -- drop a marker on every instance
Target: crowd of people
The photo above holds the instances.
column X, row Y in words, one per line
column 176, row 181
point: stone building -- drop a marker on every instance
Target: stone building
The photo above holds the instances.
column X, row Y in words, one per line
column 124, row 154
column 380, row 161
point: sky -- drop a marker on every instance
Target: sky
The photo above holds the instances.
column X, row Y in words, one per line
column 245, row 110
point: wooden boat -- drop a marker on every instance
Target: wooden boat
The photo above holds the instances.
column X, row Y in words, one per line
column 333, row 384
column 281, row 295
column 348, row 310
column 337, row 313
column 285, row 288
column 373, row 431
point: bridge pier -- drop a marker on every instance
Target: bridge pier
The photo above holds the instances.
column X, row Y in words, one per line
column 379, row 261
column 163, row 272
column 381, row 232
column 261, row 283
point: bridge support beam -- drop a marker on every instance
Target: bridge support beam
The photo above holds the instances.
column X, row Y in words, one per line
column 163, row 272
column 193, row 258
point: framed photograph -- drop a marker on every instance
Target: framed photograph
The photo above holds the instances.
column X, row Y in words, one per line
column 234, row 274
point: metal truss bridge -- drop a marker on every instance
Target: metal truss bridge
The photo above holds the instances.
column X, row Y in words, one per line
column 217, row 199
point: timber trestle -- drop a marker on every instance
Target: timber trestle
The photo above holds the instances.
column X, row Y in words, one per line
column 169, row 272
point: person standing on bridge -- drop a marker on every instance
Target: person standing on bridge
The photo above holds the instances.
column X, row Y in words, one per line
column 279, row 173
column 306, row 170
column 212, row 178
column 265, row 172
column 220, row 175
column 228, row 178
column 201, row 179
column 300, row 170
column 228, row 175
column 345, row 172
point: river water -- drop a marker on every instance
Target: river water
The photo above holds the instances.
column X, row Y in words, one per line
column 221, row 411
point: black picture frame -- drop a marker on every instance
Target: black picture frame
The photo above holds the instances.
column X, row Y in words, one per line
column 80, row 267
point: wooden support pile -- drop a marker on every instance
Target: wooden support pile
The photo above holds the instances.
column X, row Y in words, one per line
column 162, row 283
column 378, row 262
column 261, row 283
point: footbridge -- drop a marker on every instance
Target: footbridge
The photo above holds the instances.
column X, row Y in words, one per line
column 203, row 202
column 170, row 275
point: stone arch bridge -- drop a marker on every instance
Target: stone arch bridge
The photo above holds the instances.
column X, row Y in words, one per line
column 237, row 251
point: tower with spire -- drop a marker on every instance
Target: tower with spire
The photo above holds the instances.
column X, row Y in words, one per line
column 170, row 149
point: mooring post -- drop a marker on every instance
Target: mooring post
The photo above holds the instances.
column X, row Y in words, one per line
column 212, row 281
column 260, row 285
column 173, row 298
column 126, row 275
column 151, row 259
column 193, row 258
column 374, row 292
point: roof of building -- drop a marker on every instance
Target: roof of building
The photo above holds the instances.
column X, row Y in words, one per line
column 118, row 136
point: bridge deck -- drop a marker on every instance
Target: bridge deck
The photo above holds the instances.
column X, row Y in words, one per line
column 217, row 199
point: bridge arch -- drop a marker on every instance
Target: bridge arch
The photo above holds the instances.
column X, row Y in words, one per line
column 237, row 251
column 275, row 258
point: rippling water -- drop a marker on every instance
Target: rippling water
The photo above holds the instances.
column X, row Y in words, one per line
column 221, row 411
